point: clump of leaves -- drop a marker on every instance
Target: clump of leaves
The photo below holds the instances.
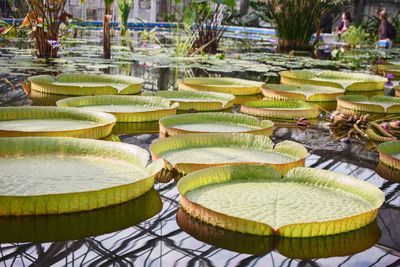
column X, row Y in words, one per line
column 44, row 21
column 204, row 18
column 346, row 126
column 124, row 8
column 297, row 20
column 355, row 36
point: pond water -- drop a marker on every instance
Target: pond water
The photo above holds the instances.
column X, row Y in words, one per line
column 142, row 233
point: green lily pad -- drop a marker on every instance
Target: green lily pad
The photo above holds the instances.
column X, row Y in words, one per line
column 52, row 121
column 279, row 109
column 362, row 104
column 124, row 108
column 61, row 175
column 343, row 80
column 214, row 123
column 201, row 101
column 232, row 86
column 255, row 199
column 86, row 84
column 303, row 92
column 191, row 152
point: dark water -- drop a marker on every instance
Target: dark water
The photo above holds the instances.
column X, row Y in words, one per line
column 145, row 232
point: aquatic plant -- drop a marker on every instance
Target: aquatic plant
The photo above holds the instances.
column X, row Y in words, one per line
column 297, row 20
column 355, row 36
column 52, row 121
column 226, row 85
column 255, row 199
column 303, row 92
column 349, row 125
column 85, row 84
column 44, row 20
column 357, row 104
column 214, row 122
column 199, row 100
column 191, row 152
column 58, row 173
column 204, row 16
column 281, row 110
column 124, row 7
column 349, row 81
column 125, row 108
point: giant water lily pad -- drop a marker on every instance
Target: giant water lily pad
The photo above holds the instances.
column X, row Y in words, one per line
column 255, row 199
column 125, row 108
column 79, row 225
column 302, row 92
column 388, row 69
column 86, row 84
column 232, row 86
column 349, row 243
column 362, row 104
column 201, row 101
column 397, row 90
column 43, row 175
column 389, row 154
column 214, row 123
column 342, row 80
column 191, row 152
column 279, row 109
column 53, row 121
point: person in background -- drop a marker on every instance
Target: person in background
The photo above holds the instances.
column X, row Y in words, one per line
column 344, row 23
column 386, row 31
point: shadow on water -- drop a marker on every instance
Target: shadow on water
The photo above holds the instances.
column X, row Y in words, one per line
column 296, row 248
column 55, row 228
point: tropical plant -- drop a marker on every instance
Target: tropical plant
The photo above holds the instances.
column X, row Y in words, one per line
column 297, row 20
column 124, row 7
column 205, row 16
column 355, row 36
column 44, row 20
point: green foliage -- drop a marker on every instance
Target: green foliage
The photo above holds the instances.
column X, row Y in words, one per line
column 355, row 36
column 124, row 7
column 202, row 17
column 297, row 20
column 108, row 4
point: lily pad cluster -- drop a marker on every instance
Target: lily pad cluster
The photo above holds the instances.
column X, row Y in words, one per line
column 227, row 158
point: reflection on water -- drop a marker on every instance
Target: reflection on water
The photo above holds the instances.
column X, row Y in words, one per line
column 295, row 248
column 54, row 228
column 43, row 99
column 135, row 127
